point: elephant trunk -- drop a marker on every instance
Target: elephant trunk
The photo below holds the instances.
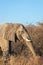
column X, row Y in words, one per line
column 28, row 43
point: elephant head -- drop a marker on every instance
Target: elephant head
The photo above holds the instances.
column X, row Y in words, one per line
column 11, row 31
column 22, row 33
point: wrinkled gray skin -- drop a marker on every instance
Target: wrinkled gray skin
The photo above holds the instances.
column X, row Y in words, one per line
column 8, row 31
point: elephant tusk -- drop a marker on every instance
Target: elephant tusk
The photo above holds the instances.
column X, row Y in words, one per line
column 26, row 39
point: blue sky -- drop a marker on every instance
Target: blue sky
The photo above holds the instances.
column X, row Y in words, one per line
column 21, row 11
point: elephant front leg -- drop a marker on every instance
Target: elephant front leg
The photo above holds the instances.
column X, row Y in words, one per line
column 5, row 49
column 5, row 55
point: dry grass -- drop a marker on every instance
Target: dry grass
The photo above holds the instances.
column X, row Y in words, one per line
column 21, row 60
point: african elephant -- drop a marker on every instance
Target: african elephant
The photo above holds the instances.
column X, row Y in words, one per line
column 9, row 32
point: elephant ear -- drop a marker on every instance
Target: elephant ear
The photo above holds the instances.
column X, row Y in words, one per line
column 9, row 35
